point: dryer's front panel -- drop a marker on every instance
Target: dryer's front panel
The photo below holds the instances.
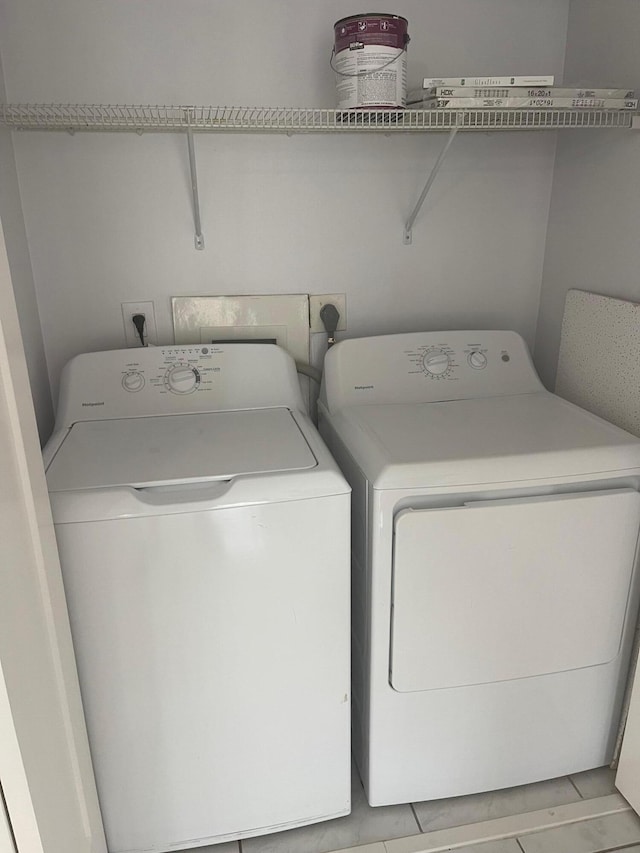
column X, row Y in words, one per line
column 497, row 590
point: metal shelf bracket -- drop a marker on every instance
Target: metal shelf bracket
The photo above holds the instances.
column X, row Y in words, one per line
column 436, row 168
column 198, row 239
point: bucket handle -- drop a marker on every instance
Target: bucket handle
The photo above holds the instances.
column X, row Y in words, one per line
column 365, row 73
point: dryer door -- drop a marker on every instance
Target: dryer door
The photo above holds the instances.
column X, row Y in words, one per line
column 497, row 590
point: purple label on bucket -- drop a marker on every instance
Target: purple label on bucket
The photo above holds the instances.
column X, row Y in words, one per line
column 387, row 30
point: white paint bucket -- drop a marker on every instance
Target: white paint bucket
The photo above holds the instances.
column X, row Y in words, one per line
column 370, row 61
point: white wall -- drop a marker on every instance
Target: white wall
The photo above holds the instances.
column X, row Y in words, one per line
column 47, row 777
column 593, row 236
column 109, row 217
column 12, row 223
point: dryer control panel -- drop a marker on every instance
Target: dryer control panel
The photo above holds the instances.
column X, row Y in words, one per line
column 427, row 367
column 144, row 382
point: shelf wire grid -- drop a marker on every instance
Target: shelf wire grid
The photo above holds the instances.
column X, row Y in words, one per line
column 140, row 118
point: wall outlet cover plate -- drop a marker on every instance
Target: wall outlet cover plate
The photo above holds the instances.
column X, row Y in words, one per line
column 130, row 333
column 316, row 303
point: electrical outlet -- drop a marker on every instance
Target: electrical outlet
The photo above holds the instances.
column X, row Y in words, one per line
column 315, row 305
column 131, row 337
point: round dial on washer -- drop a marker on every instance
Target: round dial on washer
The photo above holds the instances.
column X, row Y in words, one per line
column 436, row 362
column 133, row 381
column 182, row 379
column 477, row 360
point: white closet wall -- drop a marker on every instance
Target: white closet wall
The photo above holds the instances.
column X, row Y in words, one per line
column 22, row 277
column 108, row 217
column 592, row 240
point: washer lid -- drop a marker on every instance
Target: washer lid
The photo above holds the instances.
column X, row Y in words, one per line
column 177, row 449
column 487, row 440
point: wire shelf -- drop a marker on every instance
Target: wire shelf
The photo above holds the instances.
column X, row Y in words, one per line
column 140, row 118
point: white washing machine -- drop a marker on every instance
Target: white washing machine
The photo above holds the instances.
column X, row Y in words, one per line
column 203, row 530
column 494, row 587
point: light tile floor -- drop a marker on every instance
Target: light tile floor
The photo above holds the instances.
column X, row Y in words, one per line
column 366, row 825
column 362, row 826
column 613, row 832
column 507, row 845
column 595, row 783
column 442, row 814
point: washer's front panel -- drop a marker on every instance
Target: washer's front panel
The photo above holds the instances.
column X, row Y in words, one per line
column 212, row 649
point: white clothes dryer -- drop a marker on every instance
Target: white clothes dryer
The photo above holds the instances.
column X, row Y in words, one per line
column 495, row 529
column 203, row 530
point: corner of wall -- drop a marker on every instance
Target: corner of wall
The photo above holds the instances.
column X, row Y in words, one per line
column 13, row 226
column 592, row 226
column 544, row 355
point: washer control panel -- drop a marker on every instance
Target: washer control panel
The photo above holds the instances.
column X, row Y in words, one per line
column 175, row 370
column 427, row 367
column 177, row 379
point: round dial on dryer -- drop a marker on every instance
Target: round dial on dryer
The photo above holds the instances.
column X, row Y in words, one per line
column 436, row 362
column 477, row 360
column 181, row 379
column 133, row 381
